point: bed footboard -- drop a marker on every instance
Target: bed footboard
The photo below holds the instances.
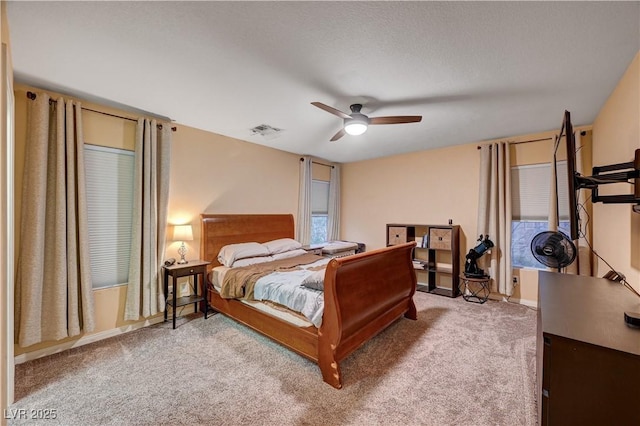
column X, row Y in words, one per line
column 363, row 294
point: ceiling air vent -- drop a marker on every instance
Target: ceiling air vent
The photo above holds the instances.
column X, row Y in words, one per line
column 268, row 132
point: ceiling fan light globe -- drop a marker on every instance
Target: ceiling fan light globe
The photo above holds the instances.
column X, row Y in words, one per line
column 355, row 127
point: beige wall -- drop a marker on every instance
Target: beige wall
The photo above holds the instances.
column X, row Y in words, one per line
column 209, row 173
column 431, row 187
column 427, row 187
column 616, row 136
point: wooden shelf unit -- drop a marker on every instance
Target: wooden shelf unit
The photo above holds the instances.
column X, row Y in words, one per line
column 436, row 257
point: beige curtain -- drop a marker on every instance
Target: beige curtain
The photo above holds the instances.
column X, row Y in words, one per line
column 303, row 227
column 333, row 226
column 494, row 212
column 151, row 193
column 54, row 296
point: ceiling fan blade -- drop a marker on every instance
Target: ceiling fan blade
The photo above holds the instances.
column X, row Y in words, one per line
column 398, row 119
column 338, row 135
column 332, row 110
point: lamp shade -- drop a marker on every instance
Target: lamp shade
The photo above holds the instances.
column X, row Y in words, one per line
column 182, row 233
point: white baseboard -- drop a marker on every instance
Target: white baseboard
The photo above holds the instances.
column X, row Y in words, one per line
column 525, row 302
column 91, row 338
column 95, row 337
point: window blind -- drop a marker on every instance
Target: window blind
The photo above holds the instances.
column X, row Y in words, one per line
column 319, row 197
column 109, row 177
column 530, row 189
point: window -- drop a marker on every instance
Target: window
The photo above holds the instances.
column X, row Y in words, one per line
column 319, row 211
column 109, row 177
column 530, row 189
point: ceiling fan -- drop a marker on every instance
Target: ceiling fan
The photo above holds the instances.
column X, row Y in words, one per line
column 356, row 123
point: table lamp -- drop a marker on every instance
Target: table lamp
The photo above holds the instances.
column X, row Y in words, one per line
column 182, row 233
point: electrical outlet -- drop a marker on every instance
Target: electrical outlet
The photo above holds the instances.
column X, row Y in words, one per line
column 516, row 281
column 184, row 289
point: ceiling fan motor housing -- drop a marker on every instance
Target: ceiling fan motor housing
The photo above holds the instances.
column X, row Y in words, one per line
column 356, row 117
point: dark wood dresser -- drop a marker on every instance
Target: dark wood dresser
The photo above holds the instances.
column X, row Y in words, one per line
column 588, row 359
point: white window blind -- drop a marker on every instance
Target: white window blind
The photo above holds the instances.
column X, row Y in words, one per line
column 319, row 197
column 319, row 211
column 530, row 189
column 109, row 177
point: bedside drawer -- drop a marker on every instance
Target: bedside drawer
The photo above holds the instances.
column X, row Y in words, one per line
column 183, row 272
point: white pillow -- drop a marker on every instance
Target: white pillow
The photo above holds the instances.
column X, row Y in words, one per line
column 282, row 245
column 251, row 261
column 315, row 280
column 288, row 254
column 232, row 252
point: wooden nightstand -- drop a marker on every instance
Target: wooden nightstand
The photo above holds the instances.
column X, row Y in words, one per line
column 194, row 268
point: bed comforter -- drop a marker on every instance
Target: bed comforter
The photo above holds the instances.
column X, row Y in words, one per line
column 239, row 283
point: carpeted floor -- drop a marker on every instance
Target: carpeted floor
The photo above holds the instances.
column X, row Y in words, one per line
column 460, row 364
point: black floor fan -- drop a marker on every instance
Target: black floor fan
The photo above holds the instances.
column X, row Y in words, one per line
column 553, row 249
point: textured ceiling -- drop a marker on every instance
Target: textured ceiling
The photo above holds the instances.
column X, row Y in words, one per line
column 474, row 71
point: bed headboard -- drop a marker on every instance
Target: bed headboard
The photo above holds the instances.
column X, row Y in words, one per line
column 218, row 230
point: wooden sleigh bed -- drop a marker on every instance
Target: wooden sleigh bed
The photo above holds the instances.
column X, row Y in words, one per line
column 363, row 293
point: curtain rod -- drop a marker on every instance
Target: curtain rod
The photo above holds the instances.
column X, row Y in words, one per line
column 317, row 162
column 582, row 133
column 532, row 140
column 32, row 96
